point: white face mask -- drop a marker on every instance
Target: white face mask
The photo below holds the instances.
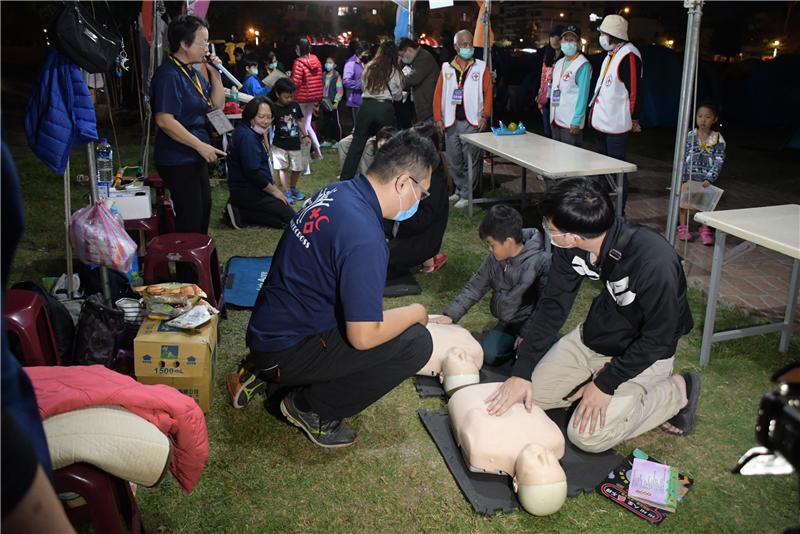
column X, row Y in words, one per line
column 606, row 44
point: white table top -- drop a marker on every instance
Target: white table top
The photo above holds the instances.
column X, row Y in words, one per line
column 547, row 157
column 774, row 227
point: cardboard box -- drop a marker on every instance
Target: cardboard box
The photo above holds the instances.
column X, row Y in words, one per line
column 133, row 202
column 183, row 360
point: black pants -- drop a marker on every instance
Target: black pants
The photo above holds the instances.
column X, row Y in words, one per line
column 614, row 146
column 340, row 381
column 331, row 128
column 261, row 209
column 372, row 116
column 191, row 195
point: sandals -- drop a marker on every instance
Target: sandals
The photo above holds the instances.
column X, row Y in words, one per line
column 438, row 262
column 684, row 420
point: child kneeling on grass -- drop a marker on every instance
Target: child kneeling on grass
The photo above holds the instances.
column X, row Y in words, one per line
column 515, row 271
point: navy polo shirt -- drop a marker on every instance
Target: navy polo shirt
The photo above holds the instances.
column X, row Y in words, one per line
column 329, row 268
column 246, row 154
column 171, row 91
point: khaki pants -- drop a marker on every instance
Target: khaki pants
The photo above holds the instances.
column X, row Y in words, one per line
column 638, row 405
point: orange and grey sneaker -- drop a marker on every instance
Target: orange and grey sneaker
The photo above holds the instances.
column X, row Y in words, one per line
column 244, row 386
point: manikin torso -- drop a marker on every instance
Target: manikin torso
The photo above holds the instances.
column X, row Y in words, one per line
column 457, row 356
column 525, row 445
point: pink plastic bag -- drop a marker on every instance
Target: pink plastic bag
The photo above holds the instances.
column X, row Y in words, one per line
column 99, row 237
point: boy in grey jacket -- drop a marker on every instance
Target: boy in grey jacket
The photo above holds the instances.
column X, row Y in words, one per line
column 516, row 272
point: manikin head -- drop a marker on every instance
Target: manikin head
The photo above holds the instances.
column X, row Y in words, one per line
column 458, row 370
column 540, row 482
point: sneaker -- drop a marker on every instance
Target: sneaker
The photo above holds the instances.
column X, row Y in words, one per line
column 683, row 233
column 331, row 434
column 289, row 197
column 706, row 236
column 454, row 197
column 461, row 204
column 233, row 216
column 297, row 195
column 244, row 386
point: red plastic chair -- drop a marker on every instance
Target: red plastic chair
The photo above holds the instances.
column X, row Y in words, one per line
column 110, row 504
column 26, row 317
column 156, row 182
column 142, row 231
column 163, row 207
column 195, row 249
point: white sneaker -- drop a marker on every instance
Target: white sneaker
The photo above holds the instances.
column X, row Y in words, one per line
column 461, row 204
column 454, row 197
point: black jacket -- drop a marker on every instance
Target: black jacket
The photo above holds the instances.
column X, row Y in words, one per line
column 638, row 317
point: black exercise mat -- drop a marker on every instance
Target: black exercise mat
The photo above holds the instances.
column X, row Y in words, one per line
column 491, row 494
column 429, row 386
column 401, row 286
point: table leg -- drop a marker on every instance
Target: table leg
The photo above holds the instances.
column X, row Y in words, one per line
column 524, row 188
column 620, row 184
column 470, row 185
column 713, row 295
column 788, row 320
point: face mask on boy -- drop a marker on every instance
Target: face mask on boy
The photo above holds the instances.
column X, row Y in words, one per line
column 273, row 65
column 329, row 66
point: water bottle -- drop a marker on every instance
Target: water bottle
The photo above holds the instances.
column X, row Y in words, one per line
column 234, row 94
column 105, row 166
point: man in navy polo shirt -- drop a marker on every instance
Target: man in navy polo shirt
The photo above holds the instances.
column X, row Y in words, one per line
column 318, row 322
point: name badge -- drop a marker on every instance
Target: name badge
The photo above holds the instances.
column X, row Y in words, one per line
column 556, row 97
column 219, row 121
column 458, row 97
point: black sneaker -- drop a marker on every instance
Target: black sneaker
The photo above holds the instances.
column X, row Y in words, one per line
column 244, row 386
column 331, row 434
column 233, row 218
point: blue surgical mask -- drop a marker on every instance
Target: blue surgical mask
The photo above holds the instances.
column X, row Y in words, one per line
column 406, row 61
column 569, row 48
column 273, row 65
column 254, row 72
column 403, row 215
column 466, row 53
column 329, row 66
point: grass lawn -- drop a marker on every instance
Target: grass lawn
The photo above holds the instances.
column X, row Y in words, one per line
column 263, row 475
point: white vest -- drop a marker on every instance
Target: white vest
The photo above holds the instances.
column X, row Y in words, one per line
column 473, row 93
column 611, row 107
column 565, row 80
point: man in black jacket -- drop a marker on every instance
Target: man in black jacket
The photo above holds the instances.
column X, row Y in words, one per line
column 618, row 363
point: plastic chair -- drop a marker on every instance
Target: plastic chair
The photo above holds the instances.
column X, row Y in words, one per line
column 110, row 504
column 156, row 182
column 26, row 317
column 163, row 206
column 195, row 249
column 143, row 229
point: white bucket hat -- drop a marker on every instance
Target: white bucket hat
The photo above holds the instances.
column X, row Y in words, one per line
column 616, row 26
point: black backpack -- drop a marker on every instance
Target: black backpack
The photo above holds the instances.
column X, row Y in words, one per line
column 90, row 45
column 60, row 319
column 100, row 334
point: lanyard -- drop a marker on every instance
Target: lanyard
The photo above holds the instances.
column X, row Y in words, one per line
column 463, row 74
column 563, row 66
column 195, row 81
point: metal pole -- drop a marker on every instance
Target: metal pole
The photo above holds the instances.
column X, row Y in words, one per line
column 411, row 19
column 95, row 197
column 155, row 59
column 690, row 58
column 67, row 224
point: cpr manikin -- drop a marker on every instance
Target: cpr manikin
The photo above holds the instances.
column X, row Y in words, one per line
column 524, row 445
column 457, row 357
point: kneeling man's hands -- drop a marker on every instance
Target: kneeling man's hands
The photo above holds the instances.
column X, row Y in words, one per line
column 513, row 390
column 592, row 408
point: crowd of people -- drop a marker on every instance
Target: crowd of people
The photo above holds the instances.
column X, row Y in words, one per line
column 318, row 326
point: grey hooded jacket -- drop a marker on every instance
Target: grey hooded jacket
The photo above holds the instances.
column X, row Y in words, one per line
column 516, row 283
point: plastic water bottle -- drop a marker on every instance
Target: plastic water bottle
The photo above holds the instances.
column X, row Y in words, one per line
column 234, row 94
column 105, row 163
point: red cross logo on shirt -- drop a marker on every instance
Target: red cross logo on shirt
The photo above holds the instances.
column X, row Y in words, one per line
column 314, row 220
column 567, row 76
column 475, row 76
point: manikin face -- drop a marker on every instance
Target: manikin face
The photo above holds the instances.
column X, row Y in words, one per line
column 705, row 118
column 264, row 116
column 196, row 52
column 502, row 250
column 540, row 481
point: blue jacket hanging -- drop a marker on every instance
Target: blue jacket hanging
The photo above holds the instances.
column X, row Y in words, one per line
column 60, row 112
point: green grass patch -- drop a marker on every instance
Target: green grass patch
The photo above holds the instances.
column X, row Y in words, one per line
column 264, row 476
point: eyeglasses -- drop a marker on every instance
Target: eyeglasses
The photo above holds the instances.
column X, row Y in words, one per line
column 423, row 193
